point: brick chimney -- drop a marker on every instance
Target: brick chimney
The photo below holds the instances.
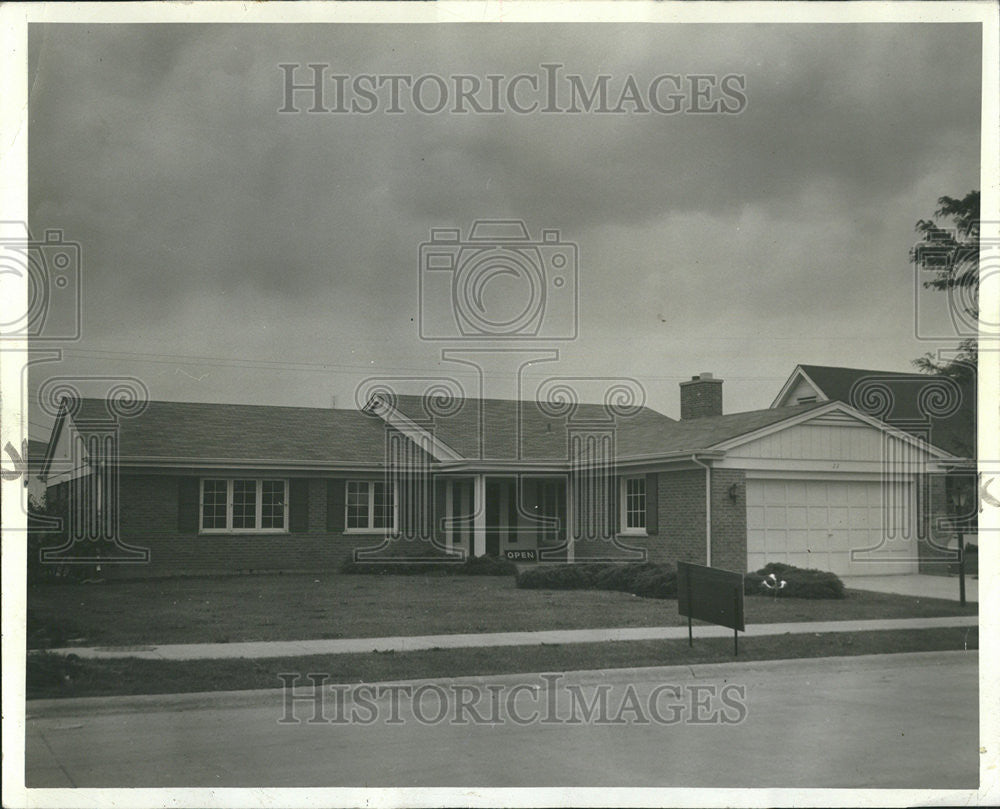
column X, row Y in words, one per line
column 701, row 396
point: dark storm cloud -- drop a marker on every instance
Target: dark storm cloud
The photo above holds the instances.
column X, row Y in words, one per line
column 160, row 148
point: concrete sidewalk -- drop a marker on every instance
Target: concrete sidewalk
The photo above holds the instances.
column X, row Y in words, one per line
column 300, row 648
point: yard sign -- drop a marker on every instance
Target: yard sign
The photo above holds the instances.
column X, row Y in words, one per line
column 711, row 594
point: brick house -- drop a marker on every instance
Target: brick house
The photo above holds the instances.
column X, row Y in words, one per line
column 196, row 488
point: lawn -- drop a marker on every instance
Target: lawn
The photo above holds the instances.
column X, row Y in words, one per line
column 222, row 609
column 55, row 676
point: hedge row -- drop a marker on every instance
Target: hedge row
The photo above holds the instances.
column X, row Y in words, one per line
column 472, row 566
column 646, row 580
column 660, row 581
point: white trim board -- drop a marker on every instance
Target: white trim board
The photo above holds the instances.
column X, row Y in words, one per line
column 826, row 410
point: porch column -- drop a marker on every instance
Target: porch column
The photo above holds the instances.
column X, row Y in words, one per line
column 479, row 520
column 568, row 522
column 449, row 513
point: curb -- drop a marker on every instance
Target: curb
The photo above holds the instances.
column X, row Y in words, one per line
column 263, row 697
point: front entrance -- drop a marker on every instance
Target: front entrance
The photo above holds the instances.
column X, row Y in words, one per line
column 521, row 517
column 524, row 516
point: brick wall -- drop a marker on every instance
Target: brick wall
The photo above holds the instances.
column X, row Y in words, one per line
column 681, row 516
column 149, row 518
column 729, row 520
column 681, row 534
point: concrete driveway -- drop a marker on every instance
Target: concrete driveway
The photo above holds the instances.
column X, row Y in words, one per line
column 903, row 720
column 920, row 586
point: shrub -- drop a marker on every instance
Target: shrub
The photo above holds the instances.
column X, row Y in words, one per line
column 655, row 584
column 399, row 566
column 554, row 577
column 487, row 566
column 646, row 579
column 800, row 582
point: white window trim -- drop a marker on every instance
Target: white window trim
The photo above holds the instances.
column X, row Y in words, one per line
column 394, row 529
column 623, row 529
column 229, row 509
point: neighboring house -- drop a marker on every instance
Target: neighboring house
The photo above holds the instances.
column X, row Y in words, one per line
column 211, row 487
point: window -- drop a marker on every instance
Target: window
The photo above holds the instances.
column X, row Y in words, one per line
column 370, row 506
column 244, row 505
column 634, row 505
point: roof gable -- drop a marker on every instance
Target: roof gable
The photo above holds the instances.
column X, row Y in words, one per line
column 835, row 415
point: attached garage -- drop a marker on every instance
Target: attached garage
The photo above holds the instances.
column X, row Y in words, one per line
column 832, row 489
column 852, row 527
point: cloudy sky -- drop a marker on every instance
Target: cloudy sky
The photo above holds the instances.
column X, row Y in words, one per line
column 286, row 246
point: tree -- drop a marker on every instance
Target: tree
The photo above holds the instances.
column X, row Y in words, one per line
column 954, row 255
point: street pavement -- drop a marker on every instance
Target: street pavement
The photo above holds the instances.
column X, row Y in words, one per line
column 903, row 721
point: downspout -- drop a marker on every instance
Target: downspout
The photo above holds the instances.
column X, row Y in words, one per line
column 708, row 508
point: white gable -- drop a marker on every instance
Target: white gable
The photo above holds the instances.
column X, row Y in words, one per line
column 803, row 391
column 69, row 459
column 798, row 389
column 834, row 439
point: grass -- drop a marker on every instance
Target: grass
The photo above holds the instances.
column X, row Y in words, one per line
column 54, row 676
column 219, row 609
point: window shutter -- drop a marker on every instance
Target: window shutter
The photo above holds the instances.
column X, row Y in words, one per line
column 562, row 512
column 440, row 504
column 335, row 504
column 652, row 504
column 188, row 495
column 298, row 505
column 614, row 503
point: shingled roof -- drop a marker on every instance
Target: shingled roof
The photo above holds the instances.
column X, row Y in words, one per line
column 955, row 433
column 200, row 432
column 488, row 428
column 182, row 433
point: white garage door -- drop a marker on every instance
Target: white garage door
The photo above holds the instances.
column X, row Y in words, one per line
column 815, row 523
